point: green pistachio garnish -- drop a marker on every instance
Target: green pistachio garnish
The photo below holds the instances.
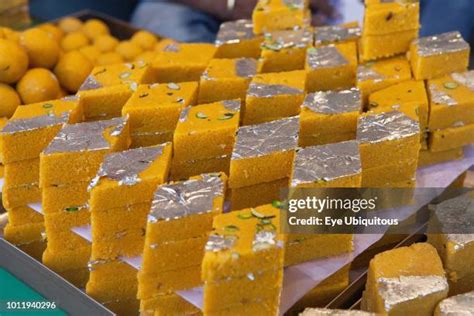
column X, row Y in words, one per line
column 226, row 116
column 47, row 105
column 72, row 209
column 451, row 85
column 231, row 228
column 201, row 115
column 244, row 216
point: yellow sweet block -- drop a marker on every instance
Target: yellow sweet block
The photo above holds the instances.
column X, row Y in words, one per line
column 428, row 157
column 383, row 176
column 129, row 177
column 390, row 137
column 331, row 165
column 182, row 170
column 451, row 138
column 155, row 108
column 60, row 242
column 305, row 247
column 276, row 15
column 33, row 126
column 451, row 100
column 20, row 196
column 408, row 97
column 372, row 47
column 235, row 39
column 331, row 67
column 182, row 62
column 329, row 117
column 243, row 261
column 455, row 246
column 23, row 234
column 378, row 75
column 226, row 79
column 127, row 243
column 67, row 260
column 20, row 173
column 274, row 96
column 255, row 154
column 64, row 221
column 77, row 151
column 69, row 197
column 146, row 139
column 332, row 34
column 257, row 194
column 23, row 215
column 438, row 55
column 284, row 50
column 106, row 102
column 206, row 130
column 391, row 17
column 404, row 281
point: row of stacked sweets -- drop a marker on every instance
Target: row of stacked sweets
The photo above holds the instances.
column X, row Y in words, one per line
column 50, row 61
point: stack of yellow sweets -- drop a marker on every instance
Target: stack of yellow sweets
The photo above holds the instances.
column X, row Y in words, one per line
column 23, row 138
column 120, row 199
column 67, row 166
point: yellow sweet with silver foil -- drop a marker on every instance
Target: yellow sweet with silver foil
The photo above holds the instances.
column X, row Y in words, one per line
column 438, row 55
column 462, row 303
column 391, row 17
column 235, row 39
column 276, row 15
column 332, row 34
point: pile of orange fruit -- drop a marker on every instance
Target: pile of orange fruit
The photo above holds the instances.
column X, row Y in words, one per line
column 50, row 61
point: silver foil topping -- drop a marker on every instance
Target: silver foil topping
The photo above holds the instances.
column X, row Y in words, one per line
column 177, row 200
column 325, row 57
column 90, row 83
column 465, row 78
column 234, row 31
column 334, row 312
column 386, row 126
column 172, row 48
column 183, row 116
column 125, row 167
column 445, row 43
column 278, row 40
column 217, row 243
column 245, row 67
column 87, row 136
column 263, row 90
column 335, row 33
column 29, row 124
column 439, row 96
column 231, row 105
column 264, row 239
column 334, row 102
column 71, row 98
column 326, row 162
column 365, row 72
column 264, row 139
column 295, row 4
column 395, row 291
column 458, row 305
column 456, row 219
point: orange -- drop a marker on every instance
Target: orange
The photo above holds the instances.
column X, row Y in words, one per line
column 72, row 69
column 94, row 28
column 10, row 100
column 74, row 40
column 37, row 85
column 53, row 31
column 13, row 61
column 70, row 24
column 43, row 51
column 146, row 40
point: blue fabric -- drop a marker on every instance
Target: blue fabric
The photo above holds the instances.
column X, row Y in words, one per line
column 438, row 16
column 175, row 21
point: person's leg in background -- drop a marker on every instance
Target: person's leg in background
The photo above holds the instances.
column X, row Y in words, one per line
column 175, row 21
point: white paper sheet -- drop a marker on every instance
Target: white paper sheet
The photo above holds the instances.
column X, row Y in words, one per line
column 84, row 231
column 36, row 207
column 2, row 180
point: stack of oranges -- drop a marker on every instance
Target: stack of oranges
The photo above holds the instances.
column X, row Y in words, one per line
column 51, row 61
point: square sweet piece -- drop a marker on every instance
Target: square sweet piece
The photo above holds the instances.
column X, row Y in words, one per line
column 391, row 17
column 405, row 279
column 331, row 67
column 269, row 16
column 390, row 174
column 428, row 157
column 404, row 96
column 284, row 50
column 332, row 34
column 391, row 135
column 23, row 234
column 33, row 126
column 329, row 117
column 372, row 47
column 439, row 55
column 451, row 138
column 333, row 165
column 107, row 102
column 259, row 148
column 182, row 62
column 235, row 39
column 76, row 152
column 451, row 100
column 156, row 107
column 23, row 215
column 462, row 303
column 68, row 197
column 130, row 177
column 20, row 196
column 381, row 74
column 145, row 139
column 226, row 79
column 243, row 261
column 257, row 194
column 452, row 235
column 206, row 130
column 274, row 96
column 21, row 173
